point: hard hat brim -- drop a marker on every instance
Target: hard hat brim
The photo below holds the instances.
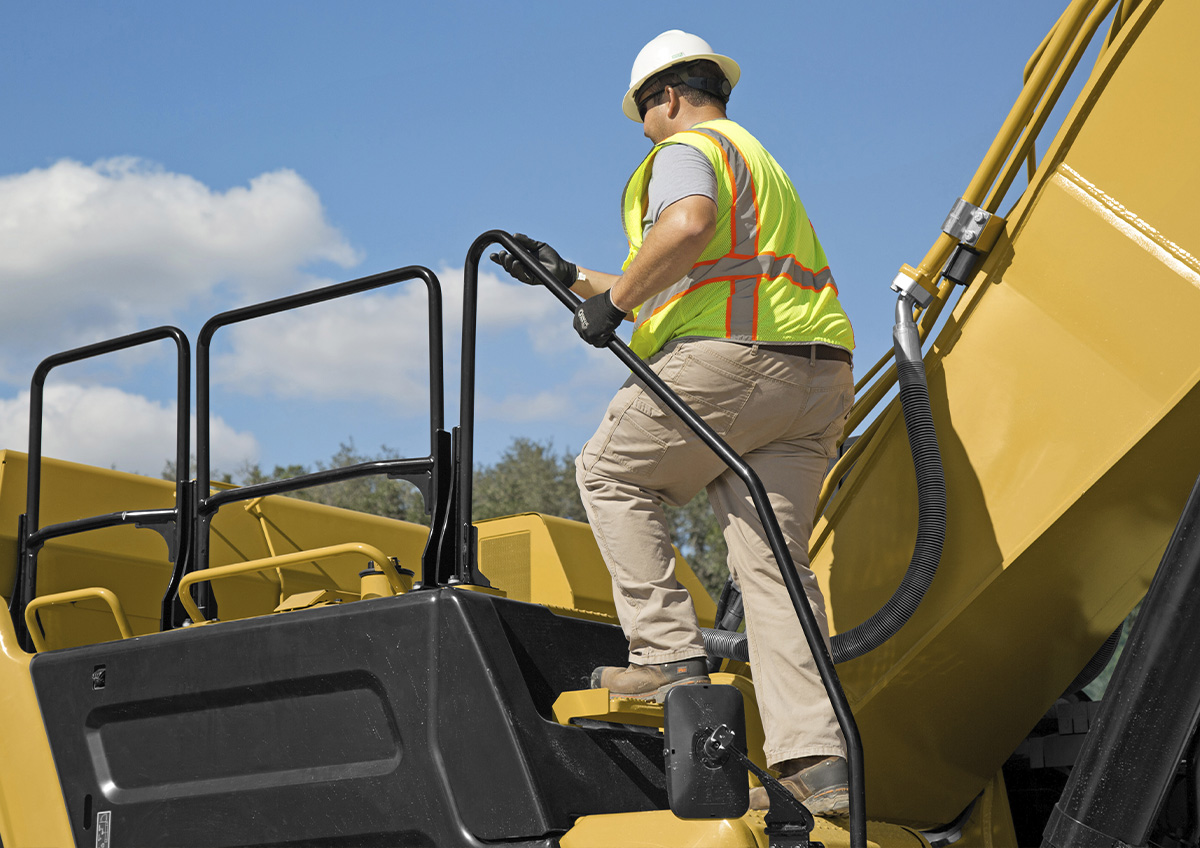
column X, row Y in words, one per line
column 730, row 68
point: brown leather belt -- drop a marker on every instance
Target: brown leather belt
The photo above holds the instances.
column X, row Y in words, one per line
column 818, row 351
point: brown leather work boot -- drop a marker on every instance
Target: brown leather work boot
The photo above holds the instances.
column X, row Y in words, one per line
column 820, row 783
column 650, row 682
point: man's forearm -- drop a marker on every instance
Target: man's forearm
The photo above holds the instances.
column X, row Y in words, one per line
column 593, row 282
column 670, row 251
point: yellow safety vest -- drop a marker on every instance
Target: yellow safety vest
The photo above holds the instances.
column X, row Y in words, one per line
column 763, row 277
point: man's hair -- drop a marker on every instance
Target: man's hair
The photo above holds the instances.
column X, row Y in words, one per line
column 673, row 76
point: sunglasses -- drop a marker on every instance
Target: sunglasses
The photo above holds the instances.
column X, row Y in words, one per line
column 644, row 105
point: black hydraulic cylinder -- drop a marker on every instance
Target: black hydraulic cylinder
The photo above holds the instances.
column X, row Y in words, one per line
column 1149, row 714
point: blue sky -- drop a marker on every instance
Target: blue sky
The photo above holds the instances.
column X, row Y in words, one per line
column 161, row 162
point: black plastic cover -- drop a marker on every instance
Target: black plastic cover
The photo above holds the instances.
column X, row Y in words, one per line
column 419, row 720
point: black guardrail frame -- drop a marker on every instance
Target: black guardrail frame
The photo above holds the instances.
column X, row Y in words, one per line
column 465, row 548
column 432, row 474
column 31, row 537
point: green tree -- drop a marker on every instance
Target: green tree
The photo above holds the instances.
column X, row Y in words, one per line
column 528, row 478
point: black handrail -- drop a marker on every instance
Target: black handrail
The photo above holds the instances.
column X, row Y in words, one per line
column 31, row 535
column 423, row 471
column 405, row 468
column 466, row 552
column 137, row 517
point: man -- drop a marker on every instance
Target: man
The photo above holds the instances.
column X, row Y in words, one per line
column 735, row 309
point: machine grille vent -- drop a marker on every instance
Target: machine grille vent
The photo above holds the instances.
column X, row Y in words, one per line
column 506, row 562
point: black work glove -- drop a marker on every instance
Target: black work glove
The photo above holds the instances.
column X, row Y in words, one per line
column 563, row 271
column 596, row 319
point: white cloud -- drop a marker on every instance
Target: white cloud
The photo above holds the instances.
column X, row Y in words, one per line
column 503, row 304
column 88, row 252
column 541, row 406
column 376, row 345
column 109, row 427
column 93, row 251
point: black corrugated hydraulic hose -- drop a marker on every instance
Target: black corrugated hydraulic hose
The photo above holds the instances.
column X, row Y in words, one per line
column 931, row 511
column 931, row 497
column 728, row 618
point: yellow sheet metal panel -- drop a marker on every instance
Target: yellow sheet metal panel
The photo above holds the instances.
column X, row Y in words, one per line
column 531, row 557
column 548, row 560
column 280, row 525
column 32, row 811
column 662, row 829
column 133, row 563
column 658, row 829
column 518, row 554
column 72, row 491
column 1064, row 389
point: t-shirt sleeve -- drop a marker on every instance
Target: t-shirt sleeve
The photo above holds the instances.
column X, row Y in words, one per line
column 680, row 171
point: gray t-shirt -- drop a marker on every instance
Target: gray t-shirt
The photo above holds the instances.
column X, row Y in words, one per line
column 679, row 171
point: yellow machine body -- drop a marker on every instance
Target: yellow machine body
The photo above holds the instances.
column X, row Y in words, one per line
column 1064, row 393
column 531, row 557
column 1064, row 388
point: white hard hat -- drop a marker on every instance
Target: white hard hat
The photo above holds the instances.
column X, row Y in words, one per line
column 673, row 47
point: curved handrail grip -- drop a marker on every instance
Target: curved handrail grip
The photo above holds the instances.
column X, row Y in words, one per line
column 106, row 595
column 369, row 552
column 808, row 622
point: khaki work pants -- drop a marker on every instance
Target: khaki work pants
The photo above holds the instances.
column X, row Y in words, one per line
column 783, row 413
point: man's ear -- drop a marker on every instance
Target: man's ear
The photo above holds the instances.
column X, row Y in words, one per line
column 674, row 101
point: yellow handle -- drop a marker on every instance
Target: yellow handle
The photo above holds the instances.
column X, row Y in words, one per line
column 367, row 551
column 114, row 604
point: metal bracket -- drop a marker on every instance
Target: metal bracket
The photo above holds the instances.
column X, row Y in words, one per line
column 788, row 821
column 972, row 226
column 168, row 531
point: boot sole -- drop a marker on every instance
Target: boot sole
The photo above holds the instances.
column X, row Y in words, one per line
column 831, row 802
column 658, row 695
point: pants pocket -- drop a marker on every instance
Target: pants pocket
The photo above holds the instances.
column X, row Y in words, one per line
column 639, row 440
column 716, row 389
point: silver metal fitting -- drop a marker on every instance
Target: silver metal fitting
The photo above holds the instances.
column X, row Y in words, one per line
column 909, row 287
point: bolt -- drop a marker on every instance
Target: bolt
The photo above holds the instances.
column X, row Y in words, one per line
column 969, row 236
column 978, row 216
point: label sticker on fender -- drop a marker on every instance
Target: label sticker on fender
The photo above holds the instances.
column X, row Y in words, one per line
column 103, row 826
